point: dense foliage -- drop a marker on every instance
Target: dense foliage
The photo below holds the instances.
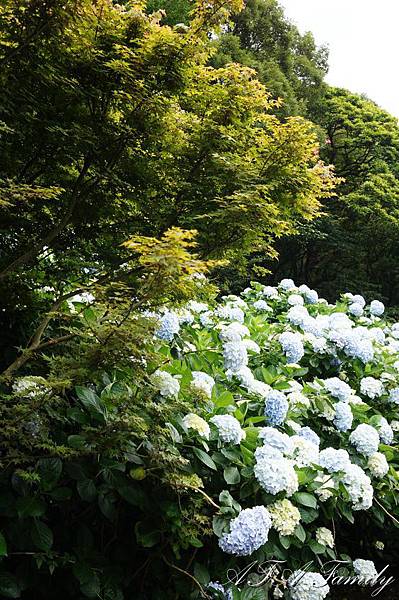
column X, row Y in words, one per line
column 153, row 434
column 144, row 480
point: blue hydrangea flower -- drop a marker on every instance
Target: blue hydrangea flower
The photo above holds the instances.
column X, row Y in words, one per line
column 223, row 592
column 394, row 396
column 276, row 407
column 358, row 348
column 292, row 346
column 358, row 299
column 377, row 308
column 276, row 439
column 365, row 439
column 235, row 356
column 276, row 475
column 308, row 434
column 343, row 416
column 311, row 296
column 334, row 460
column 169, row 326
column 338, row 388
column 248, row 532
column 385, row 432
column 229, row 429
column 286, row 284
column 355, row 309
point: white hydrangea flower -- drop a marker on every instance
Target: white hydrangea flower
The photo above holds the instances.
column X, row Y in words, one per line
column 334, row 460
column 251, row 346
column 167, row 385
column 298, row 399
column 229, row 429
column 359, row 487
column 235, row 356
column 377, row 308
column 287, row 284
column 197, row 423
column 262, row 306
column 295, row 300
column 275, row 438
column 304, row 453
column 365, row 439
column 270, row 292
column 365, row 570
column 276, row 475
column 285, row 516
column 234, row 332
column 307, row 586
column 203, row 382
column 338, row 388
column 371, row 387
column 197, row 307
column 378, row 465
column 324, row 536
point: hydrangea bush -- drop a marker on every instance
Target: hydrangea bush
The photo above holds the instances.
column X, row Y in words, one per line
column 294, row 429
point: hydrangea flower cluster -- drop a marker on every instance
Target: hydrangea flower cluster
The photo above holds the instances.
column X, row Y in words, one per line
column 276, row 407
column 292, row 346
column 307, row 586
column 285, row 516
column 365, row 570
column 287, row 431
column 229, row 429
column 248, row 532
column 169, row 326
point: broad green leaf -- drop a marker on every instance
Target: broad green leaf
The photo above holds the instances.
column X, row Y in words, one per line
column 205, row 458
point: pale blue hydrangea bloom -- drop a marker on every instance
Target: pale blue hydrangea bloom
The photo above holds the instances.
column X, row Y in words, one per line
column 358, row 299
column 338, row 388
column 365, row 570
column 292, row 346
column 377, row 308
column 276, row 439
column 355, row 309
column 295, row 300
column 358, row 348
column 206, row 319
column 235, row 356
column 233, row 332
column 298, row 315
column 311, row 296
column 276, row 407
column 262, row 305
column 169, row 326
column 334, row 460
column 230, row 312
column 343, row 416
column 226, row 594
column 385, row 432
column 197, row 307
column 308, row 434
column 304, row 585
column 371, row 387
column 270, row 292
column 394, row 396
column 248, row 532
column 229, row 429
column 276, row 475
column 365, row 439
column 268, row 452
column 359, row 487
column 286, row 284
column 202, row 381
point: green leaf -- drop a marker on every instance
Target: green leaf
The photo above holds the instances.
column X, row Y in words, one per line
column 284, row 541
column 205, row 458
column 231, row 475
column 90, row 401
column 50, row 470
column 41, row 535
column 3, row 545
column 316, row 547
column 201, row 574
column 300, row 533
column 146, row 536
column 87, row 490
column 30, row 506
column 306, row 499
